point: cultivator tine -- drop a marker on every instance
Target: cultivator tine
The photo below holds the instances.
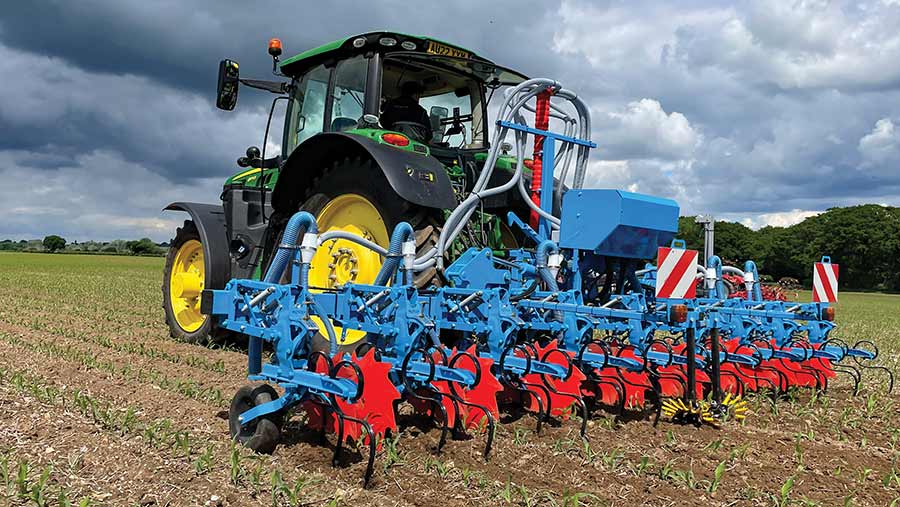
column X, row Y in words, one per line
column 596, row 378
column 542, row 415
column 483, row 393
column 852, row 372
column 572, row 380
column 517, row 384
column 373, row 443
column 874, row 355
column 429, row 384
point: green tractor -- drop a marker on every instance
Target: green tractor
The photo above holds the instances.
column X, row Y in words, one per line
column 379, row 128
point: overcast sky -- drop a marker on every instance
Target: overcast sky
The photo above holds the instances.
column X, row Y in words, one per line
column 763, row 112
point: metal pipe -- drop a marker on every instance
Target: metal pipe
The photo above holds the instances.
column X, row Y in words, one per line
column 468, row 299
column 372, row 300
column 257, row 299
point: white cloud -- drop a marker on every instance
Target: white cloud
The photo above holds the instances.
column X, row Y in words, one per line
column 882, row 144
column 644, row 130
column 100, row 196
column 780, row 219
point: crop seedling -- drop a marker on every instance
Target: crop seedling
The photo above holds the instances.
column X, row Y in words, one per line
column 717, row 477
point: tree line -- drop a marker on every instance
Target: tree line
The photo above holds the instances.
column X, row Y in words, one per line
column 864, row 240
column 57, row 244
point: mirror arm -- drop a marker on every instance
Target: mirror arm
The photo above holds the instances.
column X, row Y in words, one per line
column 269, row 86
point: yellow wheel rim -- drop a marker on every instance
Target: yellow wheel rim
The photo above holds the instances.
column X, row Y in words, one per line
column 340, row 261
column 186, row 284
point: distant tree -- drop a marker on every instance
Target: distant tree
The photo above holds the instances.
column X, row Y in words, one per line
column 142, row 246
column 8, row 245
column 864, row 240
column 54, row 243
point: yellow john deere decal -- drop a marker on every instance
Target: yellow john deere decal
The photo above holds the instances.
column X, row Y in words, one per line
column 437, row 48
column 247, row 173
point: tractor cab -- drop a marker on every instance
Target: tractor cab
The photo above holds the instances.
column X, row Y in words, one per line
column 355, row 85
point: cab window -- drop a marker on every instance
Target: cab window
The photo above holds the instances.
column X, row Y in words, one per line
column 307, row 111
column 348, row 94
column 452, row 100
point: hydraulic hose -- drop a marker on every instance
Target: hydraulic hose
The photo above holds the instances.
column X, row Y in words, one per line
column 300, row 221
column 337, row 234
column 756, row 293
column 542, row 256
column 329, row 327
column 402, row 232
column 715, row 263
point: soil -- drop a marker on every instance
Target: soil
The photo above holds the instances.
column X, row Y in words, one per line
column 803, row 450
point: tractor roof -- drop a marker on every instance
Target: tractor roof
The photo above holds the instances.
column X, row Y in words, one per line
column 388, row 43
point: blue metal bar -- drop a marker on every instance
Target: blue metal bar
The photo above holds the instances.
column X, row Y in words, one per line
column 546, row 133
column 513, row 219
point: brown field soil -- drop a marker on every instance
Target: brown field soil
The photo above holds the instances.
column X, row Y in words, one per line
column 98, row 406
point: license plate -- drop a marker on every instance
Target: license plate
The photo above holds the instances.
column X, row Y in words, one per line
column 436, row 48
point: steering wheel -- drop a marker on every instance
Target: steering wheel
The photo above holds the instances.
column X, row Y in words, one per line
column 418, row 131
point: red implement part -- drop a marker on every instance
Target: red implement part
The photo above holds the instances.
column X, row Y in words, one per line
column 636, row 383
column 603, row 388
column 483, row 394
column 753, row 379
column 375, row 405
column 426, row 407
column 673, row 388
column 567, row 388
column 541, row 122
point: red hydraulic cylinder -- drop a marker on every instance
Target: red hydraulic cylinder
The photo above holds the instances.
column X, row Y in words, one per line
column 541, row 122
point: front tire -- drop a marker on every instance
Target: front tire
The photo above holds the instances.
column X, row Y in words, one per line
column 183, row 282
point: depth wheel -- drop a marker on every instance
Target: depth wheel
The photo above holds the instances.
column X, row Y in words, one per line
column 261, row 435
column 183, row 281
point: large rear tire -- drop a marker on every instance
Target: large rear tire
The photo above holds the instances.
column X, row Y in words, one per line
column 183, row 281
column 353, row 195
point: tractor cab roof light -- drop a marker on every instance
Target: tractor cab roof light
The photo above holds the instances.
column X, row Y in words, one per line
column 275, row 47
column 359, row 42
column 408, row 45
column 387, row 41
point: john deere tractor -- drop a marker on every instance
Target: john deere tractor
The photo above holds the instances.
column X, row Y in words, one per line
column 379, row 128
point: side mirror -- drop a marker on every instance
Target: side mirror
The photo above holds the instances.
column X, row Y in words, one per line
column 229, row 80
column 437, row 115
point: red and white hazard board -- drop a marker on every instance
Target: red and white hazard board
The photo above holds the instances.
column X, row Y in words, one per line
column 825, row 282
column 676, row 273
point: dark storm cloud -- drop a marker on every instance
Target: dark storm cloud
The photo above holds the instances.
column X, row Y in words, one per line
column 764, row 111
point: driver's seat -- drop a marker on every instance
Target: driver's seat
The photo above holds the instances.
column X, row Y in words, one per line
column 405, row 115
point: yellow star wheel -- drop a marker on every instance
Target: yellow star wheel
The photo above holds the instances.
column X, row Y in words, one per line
column 731, row 408
column 712, row 413
column 676, row 410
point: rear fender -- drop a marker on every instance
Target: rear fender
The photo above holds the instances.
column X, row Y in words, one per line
column 210, row 222
column 415, row 177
